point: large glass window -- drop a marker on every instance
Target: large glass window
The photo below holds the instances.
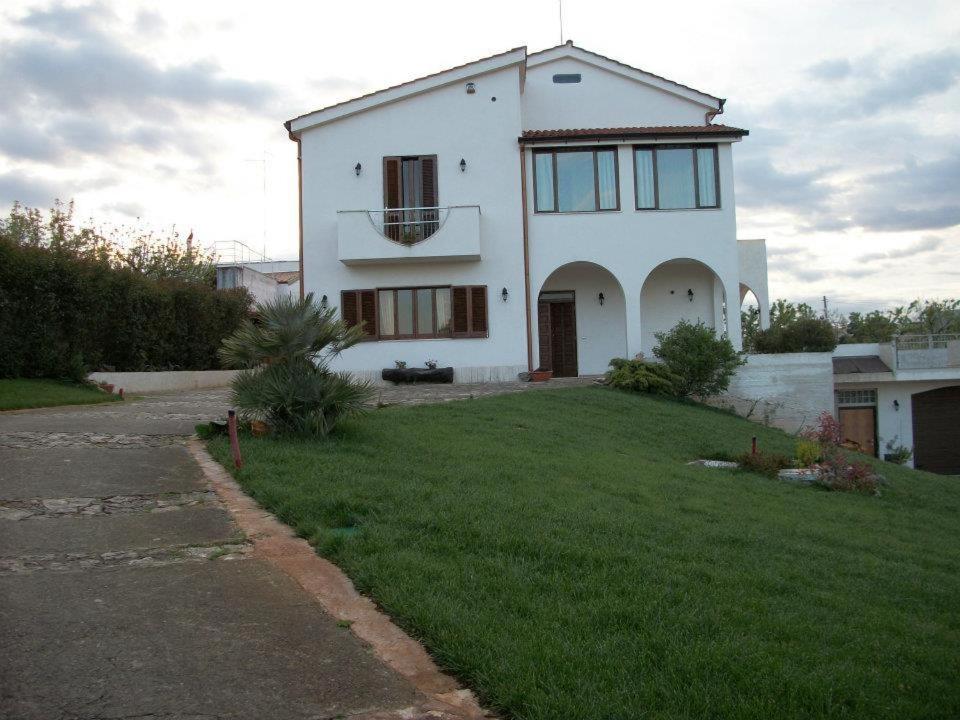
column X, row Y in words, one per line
column 576, row 180
column 426, row 312
column 675, row 177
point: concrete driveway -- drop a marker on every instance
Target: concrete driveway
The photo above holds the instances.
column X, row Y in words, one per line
column 127, row 591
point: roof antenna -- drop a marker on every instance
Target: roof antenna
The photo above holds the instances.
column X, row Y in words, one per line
column 560, row 3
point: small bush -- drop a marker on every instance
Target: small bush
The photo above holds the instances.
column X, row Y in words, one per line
column 808, row 452
column 898, row 454
column 641, row 376
column 768, row 464
column 704, row 361
column 801, row 335
column 826, row 433
column 837, row 472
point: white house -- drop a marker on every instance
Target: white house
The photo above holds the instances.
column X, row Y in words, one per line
column 551, row 209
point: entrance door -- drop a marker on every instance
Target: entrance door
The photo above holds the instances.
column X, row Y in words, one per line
column 558, row 333
column 936, row 430
column 859, row 425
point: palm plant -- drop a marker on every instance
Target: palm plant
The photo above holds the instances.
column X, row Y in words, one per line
column 284, row 353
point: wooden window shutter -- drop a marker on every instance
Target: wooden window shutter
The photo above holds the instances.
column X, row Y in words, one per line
column 478, row 310
column 348, row 307
column 368, row 312
column 428, row 175
column 391, row 182
column 461, row 313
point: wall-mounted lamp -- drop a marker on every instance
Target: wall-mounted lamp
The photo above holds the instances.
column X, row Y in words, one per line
column 601, row 298
column 323, row 301
column 896, row 405
column 471, row 88
column 357, row 169
column 690, row 295
column 463, row 165
column 504, row 294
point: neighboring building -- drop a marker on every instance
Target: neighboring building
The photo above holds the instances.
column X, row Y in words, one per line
column 265, row 280
column 555, row 209
column 906, row 392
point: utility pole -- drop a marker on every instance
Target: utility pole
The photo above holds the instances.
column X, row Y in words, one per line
column 560, row 3
column 826, row 312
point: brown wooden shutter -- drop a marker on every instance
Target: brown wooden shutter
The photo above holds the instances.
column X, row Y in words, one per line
column 348, row 307
column 543, row 327
column 461, row 313
column 478, row 310
column 428, row 178
column 368, row 312
column 391, row 196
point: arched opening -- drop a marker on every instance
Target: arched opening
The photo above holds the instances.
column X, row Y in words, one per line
column 581, row 320
column 678, row 290
column 749, row 315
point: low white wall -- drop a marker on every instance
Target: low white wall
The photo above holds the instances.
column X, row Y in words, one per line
column 787, row 391
column 165, row 381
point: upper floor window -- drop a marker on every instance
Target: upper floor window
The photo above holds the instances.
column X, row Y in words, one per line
column 576, row 180
column 410, row 198
column 675, row 177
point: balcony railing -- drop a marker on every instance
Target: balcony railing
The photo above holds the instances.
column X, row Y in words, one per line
column 409, row 234
column 916, row 352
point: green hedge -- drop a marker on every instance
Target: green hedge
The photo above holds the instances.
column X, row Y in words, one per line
column 61, row 316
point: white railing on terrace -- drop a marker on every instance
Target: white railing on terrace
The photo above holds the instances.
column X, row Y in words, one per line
column 408, row 226
column 924, row 351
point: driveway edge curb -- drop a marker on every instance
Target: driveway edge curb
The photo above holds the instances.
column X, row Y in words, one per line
column 276, row 543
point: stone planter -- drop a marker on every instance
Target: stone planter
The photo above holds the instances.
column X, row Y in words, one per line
column 415, row 375
column 541, row 375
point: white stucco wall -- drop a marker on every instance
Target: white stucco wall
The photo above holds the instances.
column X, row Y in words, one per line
column 787, row 391
column 164, row 381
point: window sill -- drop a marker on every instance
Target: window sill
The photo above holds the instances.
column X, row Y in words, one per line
column 576, row 212
column 673, row 210
column 427, row 339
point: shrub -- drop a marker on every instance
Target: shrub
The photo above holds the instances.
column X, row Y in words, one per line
column 898, row 454
column 837, row 472
column 826, row 433
column 801, row 335
column 703, row 361
column 641, row 376
column 63, row 314
column 768, row 464
column 285, row 352
column 808, row 452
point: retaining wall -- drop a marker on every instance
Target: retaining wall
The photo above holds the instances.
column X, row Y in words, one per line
column 164, row 381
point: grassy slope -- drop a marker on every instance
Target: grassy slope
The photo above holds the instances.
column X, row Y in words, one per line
column 19, row 394
column 554, row 551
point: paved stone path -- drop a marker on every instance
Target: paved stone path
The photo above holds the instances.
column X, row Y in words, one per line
column 126, row 590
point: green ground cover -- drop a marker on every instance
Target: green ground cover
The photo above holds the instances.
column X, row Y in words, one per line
column 553, row 550
column 21, row 393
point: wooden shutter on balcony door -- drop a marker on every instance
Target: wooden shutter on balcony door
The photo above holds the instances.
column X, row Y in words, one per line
column 469, row 311
column 391, row 196
column 428, row 180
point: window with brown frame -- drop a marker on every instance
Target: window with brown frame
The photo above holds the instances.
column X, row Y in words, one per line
column 418, row 312
column 576, row 179
column 676, row 177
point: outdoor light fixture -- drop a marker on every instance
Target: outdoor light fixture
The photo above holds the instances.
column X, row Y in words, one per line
column 504, row 294
column 463, row 165
column 357, row 169
column 896, row 405
column 471, row 88
column 690, row 295
column 323, row 301
column 601, row 298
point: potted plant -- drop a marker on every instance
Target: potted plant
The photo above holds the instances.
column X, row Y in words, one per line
column 541, row 374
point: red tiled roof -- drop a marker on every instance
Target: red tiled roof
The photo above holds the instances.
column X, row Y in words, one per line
column 632, row 132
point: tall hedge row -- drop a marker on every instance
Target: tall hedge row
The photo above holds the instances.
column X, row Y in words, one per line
column 61, row 316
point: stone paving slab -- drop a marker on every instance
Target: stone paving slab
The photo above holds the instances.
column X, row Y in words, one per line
column 37, row 472
column 103, row 533
column 205, row 640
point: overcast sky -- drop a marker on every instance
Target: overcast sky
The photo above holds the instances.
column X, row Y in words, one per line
column 171, row 113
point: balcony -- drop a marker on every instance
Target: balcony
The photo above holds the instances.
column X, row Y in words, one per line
column 924, row 352
column 400, row 235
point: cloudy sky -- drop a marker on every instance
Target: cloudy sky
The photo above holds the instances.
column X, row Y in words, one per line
column 171, row 113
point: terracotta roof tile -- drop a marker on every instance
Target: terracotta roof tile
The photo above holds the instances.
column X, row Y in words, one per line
column 633, row 132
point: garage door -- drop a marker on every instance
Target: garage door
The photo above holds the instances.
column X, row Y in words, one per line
column 936, row 430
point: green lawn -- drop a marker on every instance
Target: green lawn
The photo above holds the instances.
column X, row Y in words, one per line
column 19, row 394
column 553, row 551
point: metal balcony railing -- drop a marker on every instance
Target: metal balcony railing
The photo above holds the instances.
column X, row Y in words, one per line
column 923, row 351
column 408, row 226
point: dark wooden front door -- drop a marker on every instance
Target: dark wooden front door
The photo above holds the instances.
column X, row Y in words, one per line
column 859, row 425
column 558, row 337
column 936, row 430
